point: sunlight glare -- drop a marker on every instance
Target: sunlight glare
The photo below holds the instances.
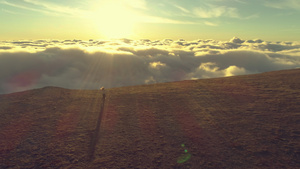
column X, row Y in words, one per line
column 114, row 20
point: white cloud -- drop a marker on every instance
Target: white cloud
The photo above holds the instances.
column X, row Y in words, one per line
column 16, row 5
column 45, row 8
column 90, row 64
column 236, row 40
column 55, row 8
column 212, row 11
column 210, row 69
column 157, row 65
column 210, row 23
column 156, row 19
column 182, row 9
column 234, row 70
column 283, row 4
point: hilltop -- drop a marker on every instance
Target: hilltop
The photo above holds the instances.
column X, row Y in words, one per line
column 250, row 121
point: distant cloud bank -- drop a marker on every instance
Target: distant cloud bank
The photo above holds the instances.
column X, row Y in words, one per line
column 78, row 64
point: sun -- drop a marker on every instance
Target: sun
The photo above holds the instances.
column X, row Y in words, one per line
column 114, row 20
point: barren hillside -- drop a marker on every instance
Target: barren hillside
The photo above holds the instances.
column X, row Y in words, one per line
column 248, row 121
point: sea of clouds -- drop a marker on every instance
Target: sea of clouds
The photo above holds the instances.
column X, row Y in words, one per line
column 78, row 64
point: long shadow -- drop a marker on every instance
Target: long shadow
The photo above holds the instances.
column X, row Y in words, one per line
column 95, row 135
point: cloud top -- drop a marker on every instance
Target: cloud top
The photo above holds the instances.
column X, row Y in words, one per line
column 113, row 63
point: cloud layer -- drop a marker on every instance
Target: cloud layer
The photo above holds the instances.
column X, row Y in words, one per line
column 91, row 64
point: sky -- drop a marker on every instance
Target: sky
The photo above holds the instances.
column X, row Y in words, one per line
column 79, row 44
column 274, row 20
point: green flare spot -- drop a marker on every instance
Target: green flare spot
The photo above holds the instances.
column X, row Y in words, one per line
column 184, row 158
column 182, row 145
column 185, row 150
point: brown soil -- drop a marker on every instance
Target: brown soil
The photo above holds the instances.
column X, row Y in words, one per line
column 248, row 121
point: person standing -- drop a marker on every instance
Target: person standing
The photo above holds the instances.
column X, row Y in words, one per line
column 103, row 92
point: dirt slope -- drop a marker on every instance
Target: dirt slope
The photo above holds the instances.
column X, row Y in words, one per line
column 236, row 122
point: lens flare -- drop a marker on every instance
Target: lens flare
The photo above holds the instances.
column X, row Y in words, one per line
column 184, row 157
